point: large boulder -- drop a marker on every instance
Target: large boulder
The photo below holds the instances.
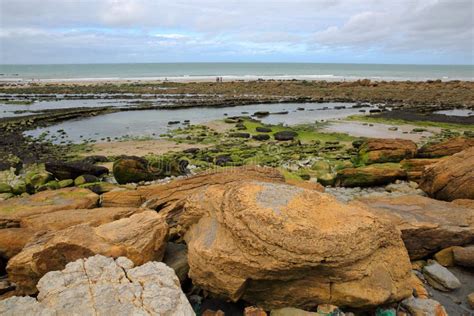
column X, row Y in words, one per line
column 373, row 175
column 133, row 169
column 167, row 197
column 379, row 150
column 16, row 231
column 70, row 170
column 140, row 237
column 104, row 286
column 451, row 178
column 427, row 225
column 276, row 245
column 445, row 148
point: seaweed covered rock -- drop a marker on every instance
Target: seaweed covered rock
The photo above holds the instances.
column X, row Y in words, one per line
column 103, row 286
column 285, row 135
column 427, row 225
column 415, row 167
column 132, row 169
column 451, row 178
column 445, row 148
column 372, row 175
column 380, row 150
column 140, row 237
column 62, row 170
column 276, row 245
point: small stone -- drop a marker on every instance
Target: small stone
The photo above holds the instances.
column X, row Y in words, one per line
column 440, row 278
column 470, row 300
column 445, row 257
column 420, row 306
column 210, row 312
column 327, row 309
column 254, row 311
column 464, row 256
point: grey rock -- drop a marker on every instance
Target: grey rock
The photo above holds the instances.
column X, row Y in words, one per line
column 440, row 278
column 419, row 306
column 103, row 286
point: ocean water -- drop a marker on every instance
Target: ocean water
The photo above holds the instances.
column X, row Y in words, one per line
column 234, row 71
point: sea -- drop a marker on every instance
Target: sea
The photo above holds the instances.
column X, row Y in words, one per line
column 234, row 71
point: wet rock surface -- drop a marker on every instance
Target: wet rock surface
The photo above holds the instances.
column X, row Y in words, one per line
column 451, row 178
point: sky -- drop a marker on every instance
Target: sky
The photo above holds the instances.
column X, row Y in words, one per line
column 321, row 31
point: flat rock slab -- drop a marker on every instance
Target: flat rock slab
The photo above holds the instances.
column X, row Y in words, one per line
column 103, row 286
column 440, row 278
column 427, row 225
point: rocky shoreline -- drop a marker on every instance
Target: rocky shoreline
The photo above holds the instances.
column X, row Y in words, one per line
column 255, row 219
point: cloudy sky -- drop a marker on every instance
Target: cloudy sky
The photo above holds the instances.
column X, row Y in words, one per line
column 359, row 31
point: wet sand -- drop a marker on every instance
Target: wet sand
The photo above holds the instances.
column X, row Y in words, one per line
column 361, row 129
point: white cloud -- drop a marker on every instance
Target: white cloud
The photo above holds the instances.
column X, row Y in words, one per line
column 35, row 30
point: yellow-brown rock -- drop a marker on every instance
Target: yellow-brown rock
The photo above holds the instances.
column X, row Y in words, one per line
column 445, row 257
column 372, row 175
column 446, row 148
column 141, row 238
column 276, row 245
column 415, row 167
column 379, row 150
column 427, row 225
column 48, row 201
column 168, row 197
column 21, row 229
column 451, row 178
column 419, row 289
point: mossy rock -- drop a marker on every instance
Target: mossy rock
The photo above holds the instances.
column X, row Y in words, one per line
column 65, row 183
column 132, row 169
column 86, row 178
column 37, row 179
column 321, row 165
column 6, row 196
column 99, row 187
column 19, row 188
column 263, row 129
column 51, row 185
column 327, row 179
column 5, row 188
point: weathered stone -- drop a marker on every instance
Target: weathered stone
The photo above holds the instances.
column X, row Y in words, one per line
column 133, row 169
column 373, row 175
column 386, row 150
column 48, row 201
column 254, row 311
column 445, row 257
column 419, row 289
column 65, row 183
column 440, row 278
column 263, row 129
column 140, row 237
column 5, row 188
column 446, row 148
column 451, row 178
column 37, row 179
column 276, row 245
column 464, row 256
column 424, row 307
column 71, row 170
column 169, row 197
column 470, row 300
column 239, row 135
column 415, row 167
column 427, row 225
column 104, row 286
column 261, row 137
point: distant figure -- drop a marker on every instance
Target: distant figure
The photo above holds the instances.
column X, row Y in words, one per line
column 217, row 79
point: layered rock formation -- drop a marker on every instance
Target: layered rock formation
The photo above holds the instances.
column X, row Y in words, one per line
column 141, row 237
column 277, row 245
column 169, row 197
column 373, row 175
column 446, row 148
column 451, row 178
column 104, row 286
column 427, row 225
column 386, row 150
